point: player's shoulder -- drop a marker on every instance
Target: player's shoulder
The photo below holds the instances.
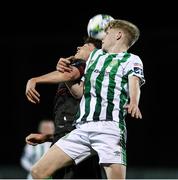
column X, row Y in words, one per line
column 96, row 50
column 135, row 58
column 95, row 53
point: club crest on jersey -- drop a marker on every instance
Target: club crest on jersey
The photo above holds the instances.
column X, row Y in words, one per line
column 113, row 63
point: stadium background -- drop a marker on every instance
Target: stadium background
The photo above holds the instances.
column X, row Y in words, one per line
column 34, row 36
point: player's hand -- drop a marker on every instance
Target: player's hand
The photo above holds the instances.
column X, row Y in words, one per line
column 31, row 93
column 64, row 64
column 134, row 110
column 34, row 139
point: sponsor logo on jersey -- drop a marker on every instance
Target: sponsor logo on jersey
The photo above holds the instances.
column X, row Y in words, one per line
column 116, row 153
column 106, row 73
column 97, row 71
column 91, row 61
column 138, row 65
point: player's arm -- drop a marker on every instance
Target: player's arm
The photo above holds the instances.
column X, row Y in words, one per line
column 134, row 94
column 37, row 138
column 76, row 89
column 52, row 77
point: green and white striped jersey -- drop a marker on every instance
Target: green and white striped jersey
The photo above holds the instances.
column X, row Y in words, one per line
column 106, row 86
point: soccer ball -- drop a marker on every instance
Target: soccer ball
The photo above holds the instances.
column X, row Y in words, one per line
column 96, row 25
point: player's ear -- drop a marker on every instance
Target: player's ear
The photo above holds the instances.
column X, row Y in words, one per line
column 119, row 35
column 91, row 47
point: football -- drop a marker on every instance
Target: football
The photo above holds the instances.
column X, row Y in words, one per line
column 96, row 25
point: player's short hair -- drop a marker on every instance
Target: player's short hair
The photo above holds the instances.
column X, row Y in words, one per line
column 131, row 30
column 96, row 42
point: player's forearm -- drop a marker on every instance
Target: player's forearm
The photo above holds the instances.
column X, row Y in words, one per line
column 75, row 89
column 134, row 90
column 49, row 137
column 54, row 77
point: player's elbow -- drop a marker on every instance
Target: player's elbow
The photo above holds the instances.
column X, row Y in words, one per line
column 77, row 96
column 71, row 76
column 79, row 93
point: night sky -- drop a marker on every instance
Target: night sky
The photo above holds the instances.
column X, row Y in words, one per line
column 34, row 37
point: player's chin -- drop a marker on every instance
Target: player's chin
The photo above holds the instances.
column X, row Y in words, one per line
column 78, row 56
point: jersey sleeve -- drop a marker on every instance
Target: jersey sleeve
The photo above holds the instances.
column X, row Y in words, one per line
column 135, row 68
column 80, row 65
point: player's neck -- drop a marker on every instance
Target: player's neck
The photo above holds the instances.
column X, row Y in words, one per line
column 117, row 49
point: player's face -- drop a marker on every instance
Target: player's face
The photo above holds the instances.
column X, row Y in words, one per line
column 110, row 39
column 84, row 51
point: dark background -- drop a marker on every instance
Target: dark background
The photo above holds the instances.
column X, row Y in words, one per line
column 34, row 36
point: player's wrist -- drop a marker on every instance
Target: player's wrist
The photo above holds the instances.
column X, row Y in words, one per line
column 48, row 137
column 134, row 102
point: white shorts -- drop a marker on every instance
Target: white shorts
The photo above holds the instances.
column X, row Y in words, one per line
column 103, row 137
